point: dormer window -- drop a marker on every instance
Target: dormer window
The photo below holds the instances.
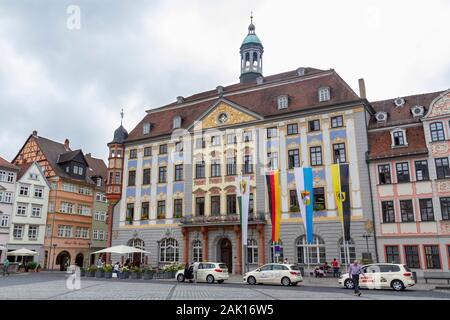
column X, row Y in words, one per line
column 399, row 138
column 381, row 116
column 399, row 102
column 146, row 128
column 177, row 122
column 324, row 94
column 417, row 111
column 283, row 102
column 99, row 182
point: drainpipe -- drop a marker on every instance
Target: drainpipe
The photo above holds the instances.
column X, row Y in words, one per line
column 371, row 195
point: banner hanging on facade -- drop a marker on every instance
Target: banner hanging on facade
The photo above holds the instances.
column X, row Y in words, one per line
column 341, row 190
column 305, row 196
column 243, row 196
column 274, row 194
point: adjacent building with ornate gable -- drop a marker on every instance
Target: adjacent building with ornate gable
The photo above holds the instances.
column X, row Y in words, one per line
column 410, row 177
column 171, row 181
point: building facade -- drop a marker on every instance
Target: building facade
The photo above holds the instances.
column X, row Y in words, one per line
column 8, row 178
column 174, row 176
column 409, row 167
column 29, row 218
column 71, row 200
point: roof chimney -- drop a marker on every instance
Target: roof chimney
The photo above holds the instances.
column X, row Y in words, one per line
column 66, row 144
column 180, row 100
column 34, row 133
column 88, row 154
column 362, row 89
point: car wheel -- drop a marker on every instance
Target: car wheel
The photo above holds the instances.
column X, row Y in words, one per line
column 180, row 278
column 285, row 281
column 251, row 280
column 349, row 284
column 397, row 285
column 220, row 281
column 210, row 279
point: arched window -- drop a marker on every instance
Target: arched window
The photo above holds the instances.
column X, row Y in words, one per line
column 197, row 251
column 168, row 250
column 276, row 257
column 350, row 248
column 316, row 250
column 437, row 131
column 255, row 59
column 252, row 251
column 136, row 257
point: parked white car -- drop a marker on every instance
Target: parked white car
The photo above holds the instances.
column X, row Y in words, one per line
column 207, row 272
column 381, row 276
column 275, row 273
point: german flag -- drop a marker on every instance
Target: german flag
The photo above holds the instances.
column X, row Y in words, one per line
column 274, row 194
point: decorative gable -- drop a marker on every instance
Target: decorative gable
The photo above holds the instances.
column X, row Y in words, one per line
column 440, row 106
column 32, row 152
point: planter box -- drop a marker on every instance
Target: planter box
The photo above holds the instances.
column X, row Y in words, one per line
column 135, row 275
column 91, row 273
column 148, row 276
column 82, row 273
column 99, row 274
column 124, row 275
column 108, row 275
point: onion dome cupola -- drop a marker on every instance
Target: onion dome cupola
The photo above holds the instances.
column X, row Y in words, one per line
column 120, row 134
column 251, row 56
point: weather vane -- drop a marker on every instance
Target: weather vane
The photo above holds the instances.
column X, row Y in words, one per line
column 251, row 16
column 121, row 117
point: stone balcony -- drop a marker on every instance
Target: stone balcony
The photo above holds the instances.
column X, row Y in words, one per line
column 230, row 219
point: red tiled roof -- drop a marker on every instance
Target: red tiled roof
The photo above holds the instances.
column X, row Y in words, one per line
column 401, row 115
column 8, row 165
column 263, row 100
column 380, row 144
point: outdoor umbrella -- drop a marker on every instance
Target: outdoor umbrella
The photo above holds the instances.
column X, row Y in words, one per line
column 121, row 250
column 22, row 252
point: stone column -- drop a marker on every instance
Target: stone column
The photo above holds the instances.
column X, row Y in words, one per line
column 261, row 245
column 237, row 231
column 204, row 231
column 185, row 233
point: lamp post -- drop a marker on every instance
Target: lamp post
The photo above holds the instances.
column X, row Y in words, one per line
column 89, row 253
column 54, row 253
column 367, row 237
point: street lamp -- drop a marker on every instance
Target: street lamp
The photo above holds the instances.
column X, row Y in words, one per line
column 89, row 253
column 367, row 237
column 54, row 253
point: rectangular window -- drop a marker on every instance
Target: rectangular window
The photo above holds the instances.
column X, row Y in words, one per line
column 247, row 136
column 314, row 125
column 412, row 257
column 293, row 200
column 200, row 169
column 442, row 168
column 387, row 209
column 179, row 172
column 147, row 151
column 133, row 153
column 432, row 257
column 231, row 166
column 272, row 158
column 406, row 210
column 5, row 197
column 293, row 158
column 215, row 205
column 319, row 199
column 251, row 204
column 36, row 212
column 445, row 208
column 84, row 190
column 178, row 208
column 4, row 221
column 339, row 153
column 38, row 192
column 48, row 231
column 162, row 176
column 337, row 122
column 398, row 138
column 21, row 210
column 24, row 191
column 215, row 168
column 199, row 143
column 231, row 139
column 422, row 170
column 215, row 140
column 130, row 212
column 163, row 149
column 292, row 128
column 145, row 210
column 437, row 131
column 272, row 132
column 231, row 204
column 161, row 209
column 384, row 174
column 146, row 177
column 117, row 178
column 33, row 232
column 200, row 206
column 18, row 231
column 248, row 164
column 315, row 154
column 402, row 172
column 426, row 209
column 131, row 178
column 392, row 255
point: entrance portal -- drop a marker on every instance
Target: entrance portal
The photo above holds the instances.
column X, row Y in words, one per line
column 226, row 253
column 63, row 260
column 79, row 260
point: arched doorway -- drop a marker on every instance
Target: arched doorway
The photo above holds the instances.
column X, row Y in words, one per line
column 79, row 260
column 136, row 259
column 63, row 260
column 226, row 253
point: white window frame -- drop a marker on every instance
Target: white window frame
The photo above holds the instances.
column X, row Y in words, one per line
column 35, row 209
column 146, row 128
column 38, row 192
column 405, row 142
column 4, row 221
column 33, row 235
column 16, row 229
column 24, row 191
column 6, row 197
column 324, row 94
column 283, row 102
column 20, row 206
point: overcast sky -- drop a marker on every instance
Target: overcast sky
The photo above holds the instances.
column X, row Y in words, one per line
column 136, row 55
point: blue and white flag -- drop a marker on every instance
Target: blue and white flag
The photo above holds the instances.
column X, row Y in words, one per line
column 305, row 196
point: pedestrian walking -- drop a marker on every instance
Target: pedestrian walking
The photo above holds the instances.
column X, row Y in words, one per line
column 335, row 266
column 5, row 266
column 195, row 271
column 354, row 271
column 286, row 261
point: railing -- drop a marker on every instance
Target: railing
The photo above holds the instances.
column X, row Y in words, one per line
column 221, row 219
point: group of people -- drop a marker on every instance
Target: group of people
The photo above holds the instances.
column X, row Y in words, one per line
column 322, row 271
column 5, row 267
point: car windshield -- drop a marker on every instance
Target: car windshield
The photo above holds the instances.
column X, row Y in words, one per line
column 223, row 266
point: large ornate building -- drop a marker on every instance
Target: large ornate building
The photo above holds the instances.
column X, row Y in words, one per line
column 409, row 168
column 171, row 181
